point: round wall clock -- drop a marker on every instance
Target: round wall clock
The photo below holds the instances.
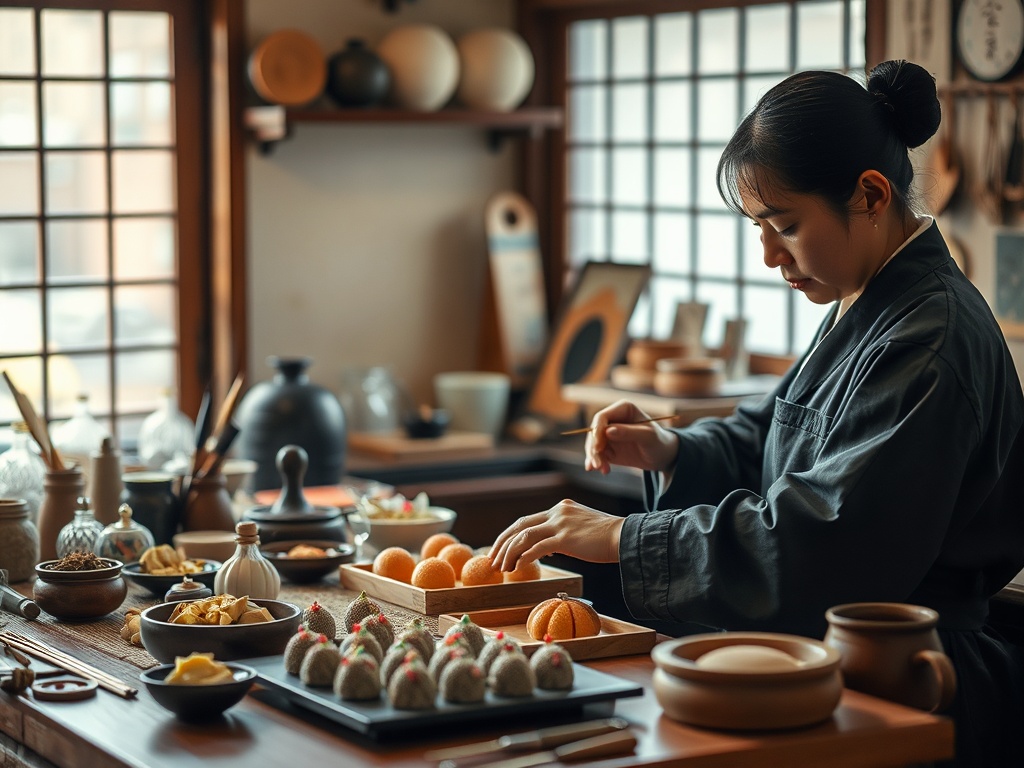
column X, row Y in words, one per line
column 990, row 37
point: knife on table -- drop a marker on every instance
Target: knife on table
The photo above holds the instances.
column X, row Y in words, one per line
column 545, row 738
column 606, row 745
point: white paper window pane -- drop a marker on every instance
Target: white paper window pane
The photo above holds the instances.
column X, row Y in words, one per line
column 587, row 118
column 21, row 323
column 666, row 293
column 753, row 253
column 819, row 35
column 858, row 35
column 629, row 47
column 587, row 236
column 588, row 48
column 587, row 175
column 672, row 177
column 19, row 194
column 767, row 38
column 17, row 114
column 141, row 113
column 672, row 112
column 629, row 176
column 629, row 238
column 718, row 41
column 77, row 318
column 639, row 326
column 673, row 54
column 27, row 374
column 707, row 187
column 756, row 87
column 74, row 114
column 809, row 317
column 140, row 44
column 721, row 299
column 19, row 253
column 672, row 243
column 766, row 310
column 142, row 376
column 70, row 375
column 143, row 181
column 72, row 43
column 76, row 182
column 76, row 251
column 144, row 314
column 716, row 246
column 143, row 248
column 629, row 112
column 716, row 109
column 17, row 42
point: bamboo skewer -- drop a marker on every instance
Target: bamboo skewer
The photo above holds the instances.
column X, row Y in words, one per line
column 67, row 663
column 584, row 430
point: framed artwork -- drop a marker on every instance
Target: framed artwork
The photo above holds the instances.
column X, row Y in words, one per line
column 588, row 337
column 1009, row 308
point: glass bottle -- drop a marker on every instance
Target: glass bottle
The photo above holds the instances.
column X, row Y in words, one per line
column 81, row 533
column 371, row 399
column 79, row 436
column 167, row 434
column 22, row 471
column 247, row 572
column 124, row 540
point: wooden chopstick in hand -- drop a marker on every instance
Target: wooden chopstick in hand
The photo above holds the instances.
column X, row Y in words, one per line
column 584, row 430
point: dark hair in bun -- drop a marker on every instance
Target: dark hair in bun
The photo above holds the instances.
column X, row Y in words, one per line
column 817, row 132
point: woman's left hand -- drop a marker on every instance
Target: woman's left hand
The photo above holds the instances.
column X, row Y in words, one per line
column 568, row 528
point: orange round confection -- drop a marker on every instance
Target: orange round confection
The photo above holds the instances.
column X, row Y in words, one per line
column 478, row 570
column 563, row 618
column 456, row 555
column 524, row 571
column 434, row 544
column 433, row 573
column 394, row 563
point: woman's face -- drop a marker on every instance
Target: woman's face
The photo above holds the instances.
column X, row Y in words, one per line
column 817, row 252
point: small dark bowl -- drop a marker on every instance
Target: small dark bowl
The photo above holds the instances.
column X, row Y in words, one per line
column 419, row 427
column 158, row 584
column 79, row 595
column 305, row 570
column 198, row 702
column 226, row 642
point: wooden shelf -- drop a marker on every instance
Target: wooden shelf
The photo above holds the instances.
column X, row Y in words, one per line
column 531, row 121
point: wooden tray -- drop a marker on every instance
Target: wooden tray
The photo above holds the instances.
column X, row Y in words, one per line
column 617, row 638
column 396, row 445
column 361, row 578
column 378, row 718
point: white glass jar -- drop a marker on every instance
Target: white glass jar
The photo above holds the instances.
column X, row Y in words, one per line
column 22, row 471
column 80, row 436
column 166, row 435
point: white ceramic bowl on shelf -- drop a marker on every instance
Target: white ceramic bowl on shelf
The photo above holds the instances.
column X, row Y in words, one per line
column 380, row 533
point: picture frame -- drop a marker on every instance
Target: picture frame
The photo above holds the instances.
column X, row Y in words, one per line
column 1009, row 293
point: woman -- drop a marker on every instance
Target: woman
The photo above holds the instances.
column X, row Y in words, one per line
column 888, row 465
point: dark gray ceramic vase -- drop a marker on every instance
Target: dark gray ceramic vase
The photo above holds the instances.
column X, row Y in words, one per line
column 357, row 77
column 291, row 410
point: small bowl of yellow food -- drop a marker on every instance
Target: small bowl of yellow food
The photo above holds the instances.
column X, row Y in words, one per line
column 160, row 568
column 197, row 687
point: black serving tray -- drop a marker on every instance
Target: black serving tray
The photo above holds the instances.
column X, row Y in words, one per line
column 378, row 718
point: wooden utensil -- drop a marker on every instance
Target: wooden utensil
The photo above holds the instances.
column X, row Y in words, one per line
column 608, row 745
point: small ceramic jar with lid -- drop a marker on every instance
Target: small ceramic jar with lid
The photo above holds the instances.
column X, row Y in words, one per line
column 19, row 540
column 187, row 589
column 124, row 540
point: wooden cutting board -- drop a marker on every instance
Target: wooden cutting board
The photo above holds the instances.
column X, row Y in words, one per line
column 396, row 445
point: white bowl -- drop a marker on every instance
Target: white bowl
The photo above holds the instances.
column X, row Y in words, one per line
column 410, row 534
column 236, row 472
column 207, row 545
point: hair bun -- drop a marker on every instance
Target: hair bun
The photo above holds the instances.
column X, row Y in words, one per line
column 907, row 90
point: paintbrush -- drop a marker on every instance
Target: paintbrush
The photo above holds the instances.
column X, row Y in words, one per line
column 584, row 430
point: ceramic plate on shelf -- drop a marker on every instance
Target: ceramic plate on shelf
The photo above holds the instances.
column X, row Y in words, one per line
column 288, row 68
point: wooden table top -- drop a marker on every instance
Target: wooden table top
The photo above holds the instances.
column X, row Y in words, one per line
column 266, row 730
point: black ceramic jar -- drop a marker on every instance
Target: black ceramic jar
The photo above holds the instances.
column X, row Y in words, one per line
column 357, row 77
column 291, row 410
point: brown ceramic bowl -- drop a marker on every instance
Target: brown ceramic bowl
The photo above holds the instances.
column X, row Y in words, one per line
column 748, row 692
column 645, row 353
column 305, row 570
column 689, row 376
column 79, row 595
column 635, row 379
column 226, row 642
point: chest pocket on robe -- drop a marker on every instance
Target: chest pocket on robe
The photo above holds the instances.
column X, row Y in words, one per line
column 795, row 439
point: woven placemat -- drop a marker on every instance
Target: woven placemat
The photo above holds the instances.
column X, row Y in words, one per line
column 99, row 641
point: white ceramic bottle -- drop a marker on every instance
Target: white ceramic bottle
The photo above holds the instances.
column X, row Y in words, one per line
column 247, row 572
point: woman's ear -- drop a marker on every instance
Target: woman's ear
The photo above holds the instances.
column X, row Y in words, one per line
column 875, row 192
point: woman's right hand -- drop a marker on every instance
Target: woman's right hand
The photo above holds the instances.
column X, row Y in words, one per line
column 615, row 437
